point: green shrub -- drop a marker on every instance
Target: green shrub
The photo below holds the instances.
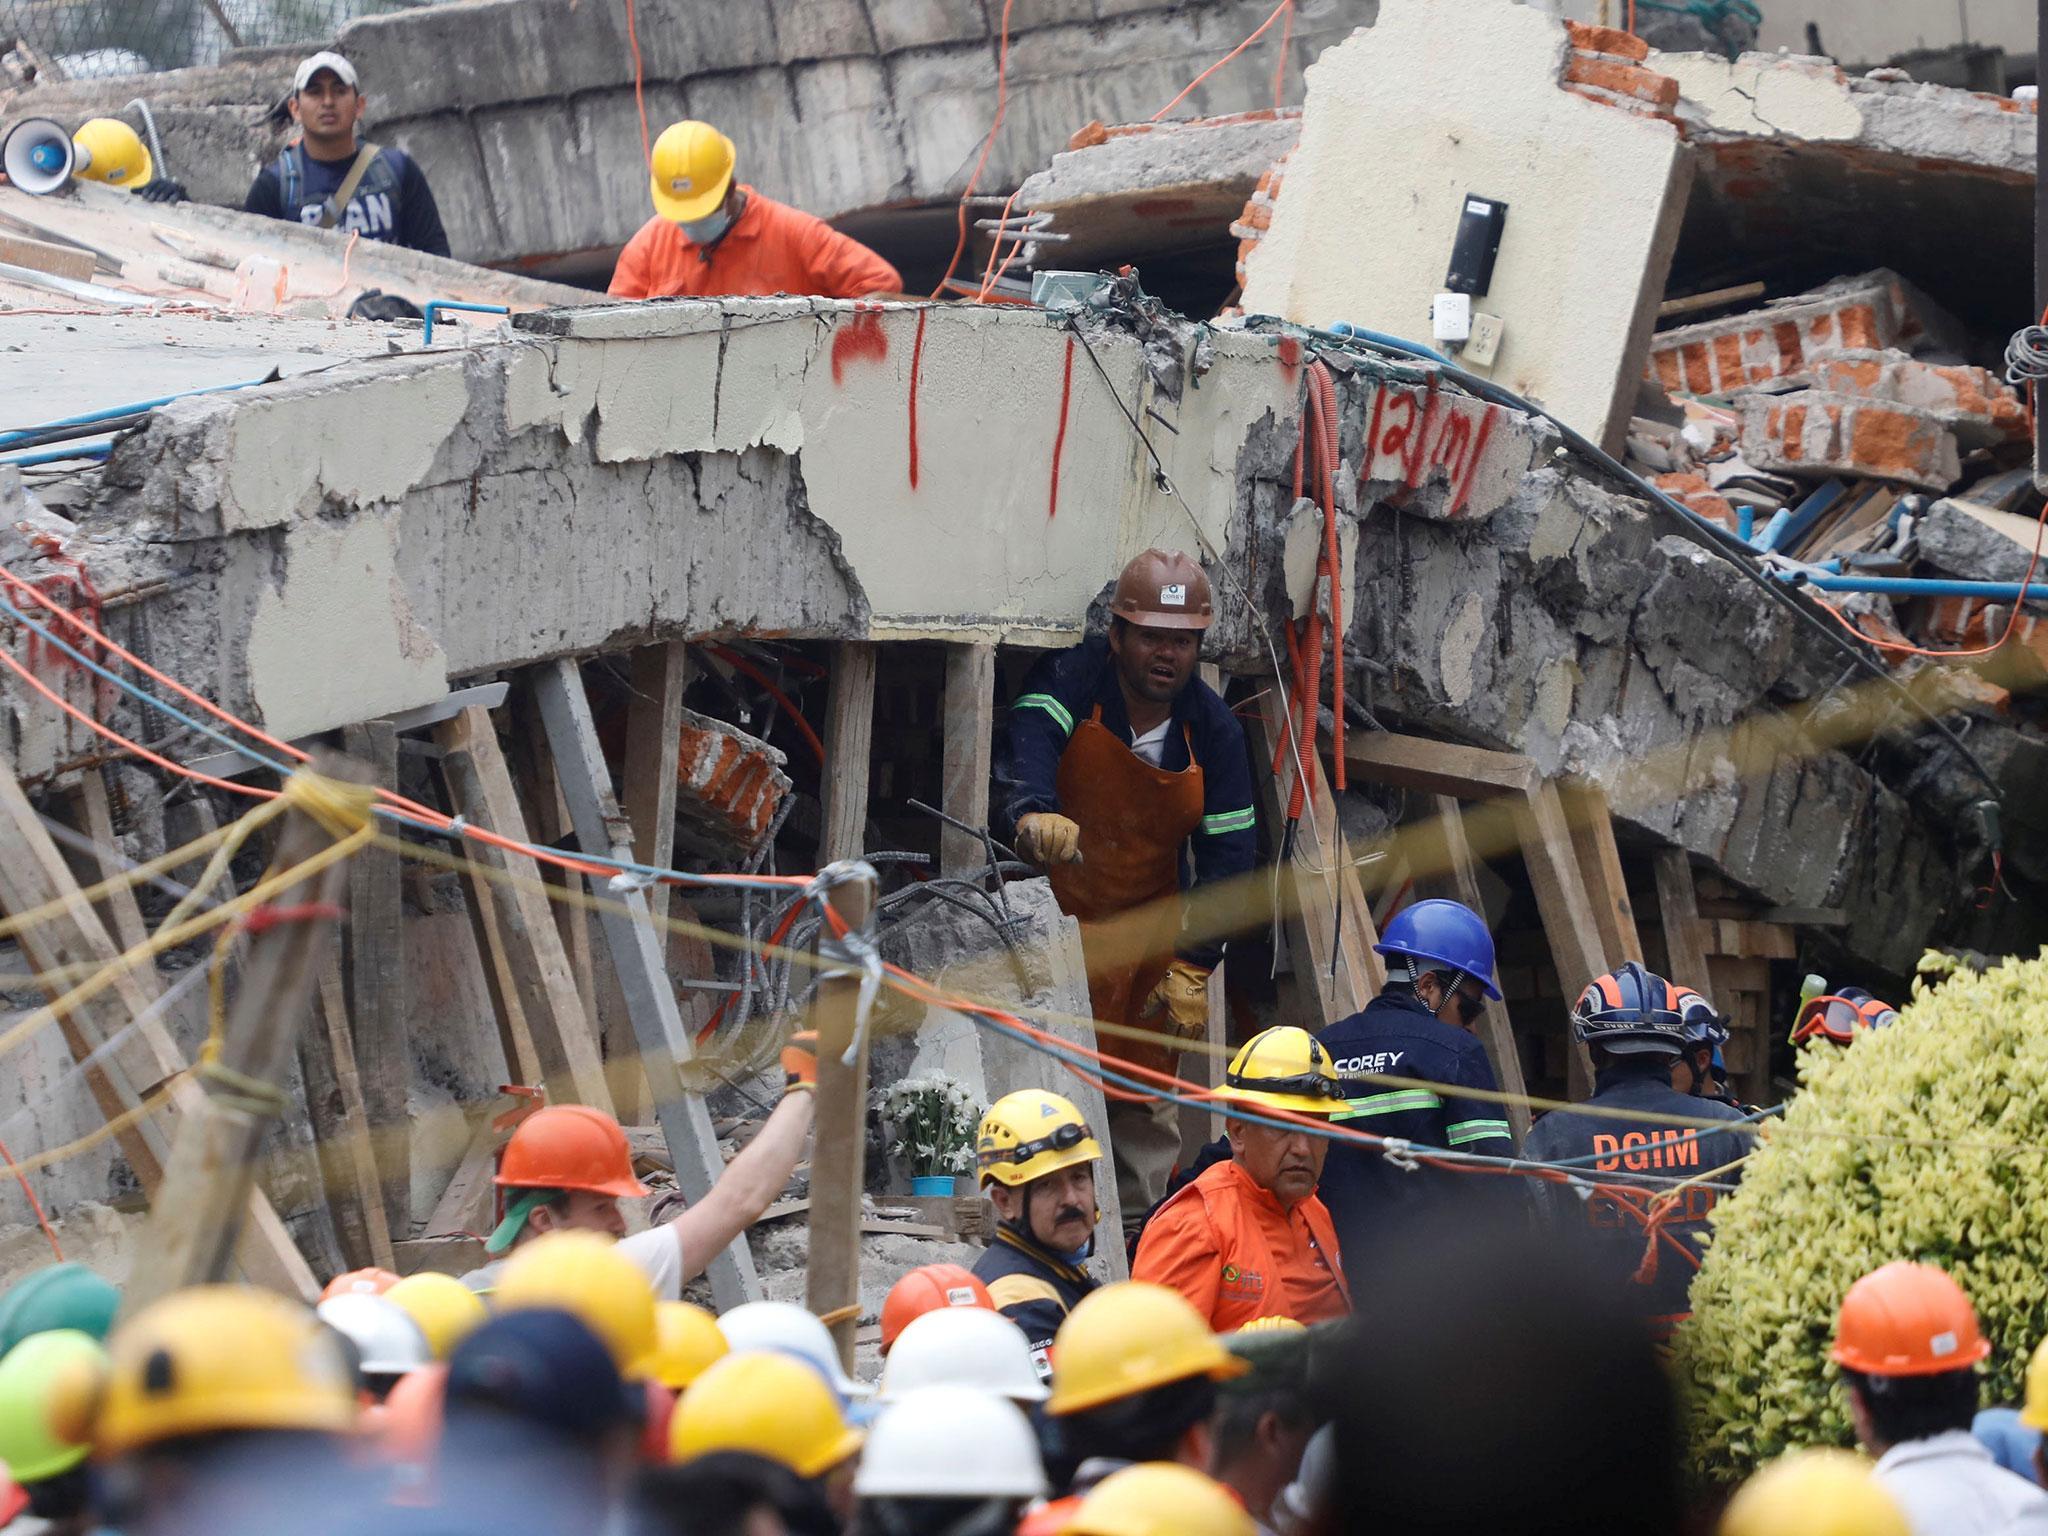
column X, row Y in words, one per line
column 1925, row 1141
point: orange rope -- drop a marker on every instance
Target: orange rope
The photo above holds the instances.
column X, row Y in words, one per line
column 639, row 87
column 33, row 1203
column 988, row 145
column 1284, row 8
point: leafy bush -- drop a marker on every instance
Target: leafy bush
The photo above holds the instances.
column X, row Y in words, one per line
column 1928, row 1141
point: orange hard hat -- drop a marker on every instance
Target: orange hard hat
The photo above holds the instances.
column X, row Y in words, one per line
column 569, row 1146
column 928, row 1288
column 1164, row 589
column 359, row 1282
column 1908, row 1319
column 412, row 1416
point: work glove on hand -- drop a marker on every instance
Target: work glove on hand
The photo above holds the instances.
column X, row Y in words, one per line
column 1045, row 839
column 1182, row 998
column 163, row 190
column 800, row 1062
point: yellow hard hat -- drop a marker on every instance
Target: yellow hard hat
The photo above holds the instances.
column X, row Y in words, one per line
column 107, row 149
column 1130, row 1337
column 1159, row 1498
column 1814, row 1493
column 219, row 1357
column 585, row 1275
column 1031, row 1133
column 1284, row 1068
column 686, row 1341
column 2034, row 1412
column 446, row 1310
column 766, row 1405
column 691, row 171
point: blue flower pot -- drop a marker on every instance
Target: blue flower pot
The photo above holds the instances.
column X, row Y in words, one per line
column 932, row 1184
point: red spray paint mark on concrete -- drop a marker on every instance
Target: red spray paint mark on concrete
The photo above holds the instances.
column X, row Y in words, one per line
column 862, row 340
column 916, row 367
column 1059, row 441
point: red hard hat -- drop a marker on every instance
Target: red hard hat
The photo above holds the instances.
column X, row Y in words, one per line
column 928, row 1288
column 1908, row 1320
column 569, row 1146
column 661, row 1407
column 359, row 1282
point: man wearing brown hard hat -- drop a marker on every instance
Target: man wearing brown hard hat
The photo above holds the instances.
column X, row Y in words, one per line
column 1128, row 782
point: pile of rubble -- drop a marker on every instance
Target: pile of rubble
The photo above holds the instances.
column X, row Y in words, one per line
column 1845, row 436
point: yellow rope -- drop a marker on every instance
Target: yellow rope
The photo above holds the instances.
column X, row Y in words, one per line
column 340, row 808
column 161, row 864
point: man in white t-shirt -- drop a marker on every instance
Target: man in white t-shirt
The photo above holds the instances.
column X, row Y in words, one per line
column 568, row 1166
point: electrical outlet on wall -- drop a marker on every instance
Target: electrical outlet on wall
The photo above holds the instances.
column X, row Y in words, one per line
column 1483, row 346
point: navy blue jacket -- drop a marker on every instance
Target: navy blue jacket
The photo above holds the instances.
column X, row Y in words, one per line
column 1032, row 1288
column 1395, row 1035
column 1616, row 1146
column 1063, row 689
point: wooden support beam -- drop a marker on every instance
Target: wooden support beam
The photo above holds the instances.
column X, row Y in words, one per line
column 1436, row 767
column 1685, row 956
column 1494, row 1027
column 547, row 817
column 86, row 810
column 466, row 1205
column 849, row 739
column 1329, row 928
column 33, row 874
column 1592, row 824
column 1200, row 1126
column 839, row 1165
column 1567, row 912
column 341, row 1127
column 502, row 972
column 376, row 985
column 969, row 722
column 654, row 723
column 636, row 951
column 560, row 1035
column 197, row 1216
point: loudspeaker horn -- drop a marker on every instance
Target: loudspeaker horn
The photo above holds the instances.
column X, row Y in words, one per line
column 37, row 156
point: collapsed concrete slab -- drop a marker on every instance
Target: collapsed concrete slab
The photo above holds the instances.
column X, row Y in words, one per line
column 1576, row 140
column 525, row 113
column 1932, row 182
column 634, row 472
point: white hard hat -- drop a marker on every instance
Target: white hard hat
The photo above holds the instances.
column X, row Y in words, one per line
column 387, row 1341
column 789, row 1329
column 950, row 1443
column 966, row 1347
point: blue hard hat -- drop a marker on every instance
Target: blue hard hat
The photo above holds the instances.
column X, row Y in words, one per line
column 1445, row 936
column 1703, row 1026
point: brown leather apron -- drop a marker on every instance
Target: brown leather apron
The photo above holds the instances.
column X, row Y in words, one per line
column 1135, row 820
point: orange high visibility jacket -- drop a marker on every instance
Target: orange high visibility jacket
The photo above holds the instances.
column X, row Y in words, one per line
column 1227, row 1244
column 773, row 248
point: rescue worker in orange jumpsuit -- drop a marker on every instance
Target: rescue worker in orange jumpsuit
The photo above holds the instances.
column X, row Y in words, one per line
column 1249, row 1239
column 713, row 235
column 1123, row 770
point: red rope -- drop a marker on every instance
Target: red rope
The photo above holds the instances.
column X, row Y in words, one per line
column 33, row 1203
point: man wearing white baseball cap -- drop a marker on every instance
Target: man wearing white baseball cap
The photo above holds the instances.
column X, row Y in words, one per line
column 330, row 181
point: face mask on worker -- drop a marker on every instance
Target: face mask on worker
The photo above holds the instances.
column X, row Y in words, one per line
column 707, row 229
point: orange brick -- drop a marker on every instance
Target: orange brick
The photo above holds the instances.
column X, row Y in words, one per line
column 1623, row 79
column 1607, row 40
column 1088, row 137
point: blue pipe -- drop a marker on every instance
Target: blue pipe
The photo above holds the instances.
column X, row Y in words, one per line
column 58, row 455
column 1773, row 530
column 1920, row 586
column 434, row 306
column 9, row 438
column 1401, row 344
column 1745, row 523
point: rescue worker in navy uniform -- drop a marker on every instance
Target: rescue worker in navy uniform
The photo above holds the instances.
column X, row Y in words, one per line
column 1439, row 975
column 1122, row 764
column 1700, row 1069
column 1630, row 1020
column 1036, row 1158
column 328, row 180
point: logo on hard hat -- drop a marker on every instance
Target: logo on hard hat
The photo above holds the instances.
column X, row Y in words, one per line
column 679, row 184
column 1175, row 596
column 1942, row 1344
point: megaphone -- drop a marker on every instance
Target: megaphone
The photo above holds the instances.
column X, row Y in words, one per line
column 37, row 156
